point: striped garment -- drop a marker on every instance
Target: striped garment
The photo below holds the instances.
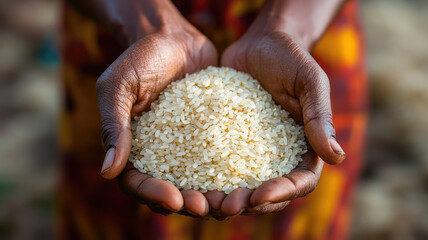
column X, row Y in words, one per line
column 93, row 208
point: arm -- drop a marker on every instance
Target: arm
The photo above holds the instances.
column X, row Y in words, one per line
column 130, row 20
column 275, row 51
column 305, row 20
column 162, row 47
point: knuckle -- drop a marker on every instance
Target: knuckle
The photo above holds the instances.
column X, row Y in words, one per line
column 102, row 86
column 308, row 185
column 309, row 188
column 281, row 37
column 108, row 133
column 314, row 78
column 314, row 111
column 262, row 49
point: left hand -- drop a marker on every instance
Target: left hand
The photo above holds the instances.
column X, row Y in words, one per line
column 296, row 82
column 275, row 194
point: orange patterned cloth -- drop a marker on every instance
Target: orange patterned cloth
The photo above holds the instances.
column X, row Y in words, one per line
column 93, row 208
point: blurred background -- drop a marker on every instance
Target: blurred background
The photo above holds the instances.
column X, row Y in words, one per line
column 391, row 199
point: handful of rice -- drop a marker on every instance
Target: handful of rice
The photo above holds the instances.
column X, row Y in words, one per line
column 216, row 129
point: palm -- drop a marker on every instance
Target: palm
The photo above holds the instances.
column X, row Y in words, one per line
column 156, row 61
column 283, row 68
column 127, row 88
column 278, row 63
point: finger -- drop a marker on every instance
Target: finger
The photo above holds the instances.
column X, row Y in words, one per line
column 236, row 201
column 115, row 101
column 300, row 182
column 152, row 191
column 195, row 202
column 314, row 95
column 117, row 155
column 266, row 208
column 161, row 192
column 215, row 198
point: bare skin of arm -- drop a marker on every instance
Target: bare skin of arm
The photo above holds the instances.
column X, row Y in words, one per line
column 162, row 46
column 281, row 37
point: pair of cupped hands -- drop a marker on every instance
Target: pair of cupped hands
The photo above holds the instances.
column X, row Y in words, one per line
column 281, row 64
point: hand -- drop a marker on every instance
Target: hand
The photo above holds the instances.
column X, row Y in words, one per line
column 296, row 82
column 275, row 194
column 127, row 88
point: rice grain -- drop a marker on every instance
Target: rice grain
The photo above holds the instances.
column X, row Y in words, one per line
column 216, row 129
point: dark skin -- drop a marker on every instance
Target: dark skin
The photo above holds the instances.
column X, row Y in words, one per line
column 163, row 46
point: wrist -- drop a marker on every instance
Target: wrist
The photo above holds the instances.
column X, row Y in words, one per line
column 305, row 21
column 279, row 24
column 273, row 19
column 137, row 19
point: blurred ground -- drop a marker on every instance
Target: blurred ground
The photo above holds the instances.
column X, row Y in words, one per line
column 29, row 101
column 391, row 199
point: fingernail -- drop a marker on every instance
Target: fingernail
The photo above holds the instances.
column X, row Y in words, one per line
column 336, row 147
column 108, row 160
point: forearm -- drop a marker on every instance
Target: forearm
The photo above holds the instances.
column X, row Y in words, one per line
column 130, row 20
column 304, row 20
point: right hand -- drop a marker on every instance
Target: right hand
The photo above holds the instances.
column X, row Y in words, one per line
column 127, row 88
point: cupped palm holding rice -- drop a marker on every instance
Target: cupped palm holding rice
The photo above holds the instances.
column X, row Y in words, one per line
column 216, row 129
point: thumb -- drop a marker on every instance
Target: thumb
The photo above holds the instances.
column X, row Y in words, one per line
column 115, row 105
column 317, row 115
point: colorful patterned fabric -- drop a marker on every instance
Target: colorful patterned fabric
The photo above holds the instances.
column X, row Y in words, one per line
column 93, row 208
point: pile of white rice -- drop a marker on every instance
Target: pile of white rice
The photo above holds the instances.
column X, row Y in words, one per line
column 216, row 129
